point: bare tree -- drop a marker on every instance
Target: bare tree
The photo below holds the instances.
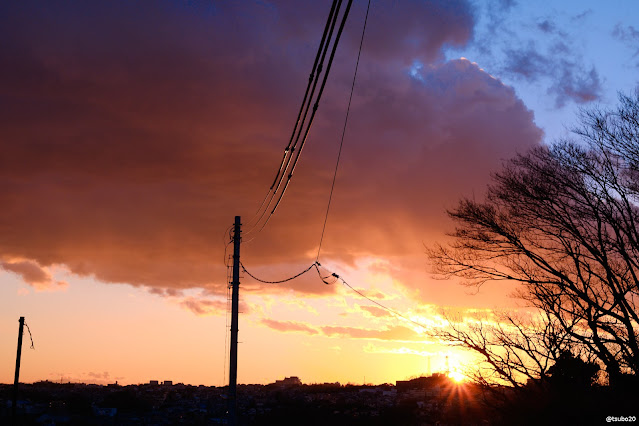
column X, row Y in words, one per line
column 513, row 348
column 562, row 222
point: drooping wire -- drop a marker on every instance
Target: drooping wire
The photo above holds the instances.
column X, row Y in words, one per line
column 330, row 275
column 335, row 278
column 312, row 82
column 392, row 311
column 276, row 282
column 30, row 336
column 341, row 143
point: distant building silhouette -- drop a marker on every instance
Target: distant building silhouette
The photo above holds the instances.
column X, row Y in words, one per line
column 289, row 381
column 422, row 386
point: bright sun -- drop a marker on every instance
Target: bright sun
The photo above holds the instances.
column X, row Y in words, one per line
column 456, row 376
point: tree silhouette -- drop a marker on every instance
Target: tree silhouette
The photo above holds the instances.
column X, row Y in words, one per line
column 560, row 221
column 570, row 371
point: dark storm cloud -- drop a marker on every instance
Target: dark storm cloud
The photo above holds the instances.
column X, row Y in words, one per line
column 133, row 132
column 418, row 29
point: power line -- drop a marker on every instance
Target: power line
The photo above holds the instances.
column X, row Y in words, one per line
column 330, row 275
column 312, row 82
column 341, row 143
column 289, row 163
column 308, row 127
column 276, row 282
column 291, row 157
column 288, row 155
column 339, row 278
column 380, row 305
column 335, row 277
column 308, row 86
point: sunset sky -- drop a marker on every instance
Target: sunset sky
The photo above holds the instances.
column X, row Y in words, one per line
column 132, row 133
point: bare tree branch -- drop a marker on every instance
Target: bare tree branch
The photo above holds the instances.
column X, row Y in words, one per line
column 562, row 222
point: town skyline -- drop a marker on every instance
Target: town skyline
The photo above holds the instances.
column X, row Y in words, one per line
column 133, row 133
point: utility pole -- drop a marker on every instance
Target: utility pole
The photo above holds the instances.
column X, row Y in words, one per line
column 17, row 376
column 232, row 395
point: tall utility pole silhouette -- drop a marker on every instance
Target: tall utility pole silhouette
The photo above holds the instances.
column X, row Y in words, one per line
column 232, row 395
column 17, row 376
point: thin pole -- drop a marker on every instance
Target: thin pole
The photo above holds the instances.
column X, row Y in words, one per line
column 232, row 395
column 17, row 376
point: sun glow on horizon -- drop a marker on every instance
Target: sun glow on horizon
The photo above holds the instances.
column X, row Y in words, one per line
column 457, row 376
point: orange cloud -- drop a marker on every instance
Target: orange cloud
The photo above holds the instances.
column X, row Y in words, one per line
column 376, row 312
column 396, row 333
column 400, row 350
column 34, row 275
column 201, row 305
column 128, row 149
column 289, row 326
column 204, row 307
